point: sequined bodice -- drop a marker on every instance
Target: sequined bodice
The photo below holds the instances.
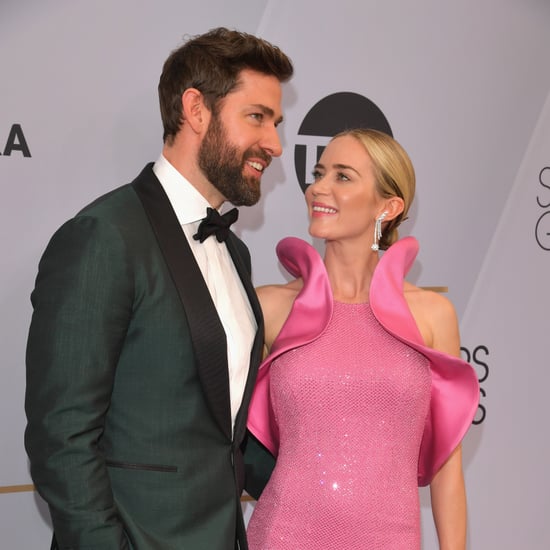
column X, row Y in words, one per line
column 350, row 408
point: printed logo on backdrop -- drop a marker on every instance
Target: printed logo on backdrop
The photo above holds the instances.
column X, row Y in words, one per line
column 16, row 143
column 477, row 357
column 332, row 114
column 542, row 229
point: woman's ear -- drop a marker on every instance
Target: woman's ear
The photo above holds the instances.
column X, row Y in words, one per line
column 195, row 113
column 393, row 206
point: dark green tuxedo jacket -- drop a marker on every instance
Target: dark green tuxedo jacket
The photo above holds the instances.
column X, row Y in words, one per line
column 129, row 431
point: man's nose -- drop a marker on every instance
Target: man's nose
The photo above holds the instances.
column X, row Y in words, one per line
column 271, row 142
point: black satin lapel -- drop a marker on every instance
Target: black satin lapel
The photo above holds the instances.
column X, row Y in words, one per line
column 243, row 269
column 207, row 334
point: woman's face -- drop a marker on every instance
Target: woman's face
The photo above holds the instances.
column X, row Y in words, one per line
column 342, row 201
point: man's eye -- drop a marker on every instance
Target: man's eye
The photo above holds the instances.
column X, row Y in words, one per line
column 258, row 116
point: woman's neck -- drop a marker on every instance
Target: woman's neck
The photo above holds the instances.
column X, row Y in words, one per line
column 350, row 269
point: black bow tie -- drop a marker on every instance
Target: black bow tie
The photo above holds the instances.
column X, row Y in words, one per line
column 214, row 223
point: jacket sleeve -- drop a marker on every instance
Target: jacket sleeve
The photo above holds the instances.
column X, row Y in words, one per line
column 259, row 464
column 82, row 303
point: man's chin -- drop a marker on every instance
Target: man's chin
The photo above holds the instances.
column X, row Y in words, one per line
column 251, row 192
column 248, row 200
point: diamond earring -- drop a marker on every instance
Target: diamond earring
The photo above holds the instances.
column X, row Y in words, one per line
column 378, row 231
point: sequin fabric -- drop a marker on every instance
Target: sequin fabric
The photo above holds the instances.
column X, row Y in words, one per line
column 351, row 408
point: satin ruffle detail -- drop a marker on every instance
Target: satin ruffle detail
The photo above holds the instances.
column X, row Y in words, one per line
column 454, row 389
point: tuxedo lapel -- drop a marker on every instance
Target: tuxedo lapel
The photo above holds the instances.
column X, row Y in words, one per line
column 243, row 269
column 207, row 334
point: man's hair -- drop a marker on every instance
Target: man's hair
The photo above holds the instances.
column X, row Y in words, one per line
column 212, row 63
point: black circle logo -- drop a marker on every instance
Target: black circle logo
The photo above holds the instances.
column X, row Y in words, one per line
column 332, row 114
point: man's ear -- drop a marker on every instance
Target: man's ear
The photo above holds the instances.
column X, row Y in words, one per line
column 393, row 206
column 195, row 113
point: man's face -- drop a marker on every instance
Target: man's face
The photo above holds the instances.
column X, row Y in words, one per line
column 242, row 138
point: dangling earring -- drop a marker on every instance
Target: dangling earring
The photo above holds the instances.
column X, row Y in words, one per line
column 378, row 231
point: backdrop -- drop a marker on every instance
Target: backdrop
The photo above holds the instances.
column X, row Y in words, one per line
column 464, row 87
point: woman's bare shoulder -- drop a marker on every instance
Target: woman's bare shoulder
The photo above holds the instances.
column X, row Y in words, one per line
column 435, row 316
column 272, row 295
column 426, row 298
column 276, row 301
column 293, row 286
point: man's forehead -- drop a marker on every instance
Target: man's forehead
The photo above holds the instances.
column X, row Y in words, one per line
column 257, row 90
column 255, row 79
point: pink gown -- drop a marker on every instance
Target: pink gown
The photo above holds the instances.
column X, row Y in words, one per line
column 357, row 410
column 351, row 408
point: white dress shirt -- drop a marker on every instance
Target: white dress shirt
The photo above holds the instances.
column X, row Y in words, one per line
column 220, row 275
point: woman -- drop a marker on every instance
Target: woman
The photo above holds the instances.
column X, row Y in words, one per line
column 363, row 395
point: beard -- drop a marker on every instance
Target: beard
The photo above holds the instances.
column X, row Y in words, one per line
column 223, row 166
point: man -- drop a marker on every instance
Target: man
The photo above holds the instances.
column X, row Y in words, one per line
column 146, row 333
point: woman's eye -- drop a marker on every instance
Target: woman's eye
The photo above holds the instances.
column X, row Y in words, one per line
column 342, row 177
column 316, row 175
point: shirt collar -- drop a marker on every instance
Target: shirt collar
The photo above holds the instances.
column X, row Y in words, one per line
column 188, row 204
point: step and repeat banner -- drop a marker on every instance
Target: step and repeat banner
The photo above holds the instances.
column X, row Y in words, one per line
column 463, row 86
